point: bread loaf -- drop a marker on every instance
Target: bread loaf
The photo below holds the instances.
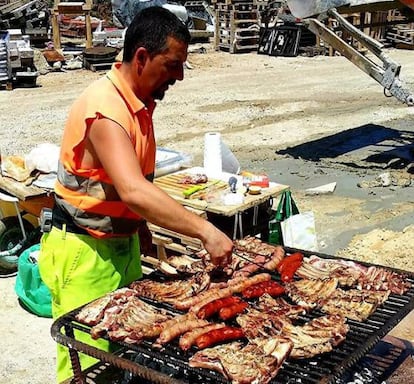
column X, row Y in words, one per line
column 14, row 166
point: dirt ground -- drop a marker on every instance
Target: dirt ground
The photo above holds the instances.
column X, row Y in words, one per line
column 304, row 121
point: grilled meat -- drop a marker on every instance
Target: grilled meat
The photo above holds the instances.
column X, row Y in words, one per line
column 226, row 313
column 261, row 254
column 213, row 307
column 318, row 336
column 179, row 326
column 257, row 324
column 218, row 336
column 188, row 339
column 93, row 313
column 308, row 293
column 268, row 324
column 315, row 337
column 171, row 291
column 279, row 307
column 255, row 245
column 350, row 273
column 187, row 264
column 190, row 302
column 354, row 304
column 316, row 268
column 270, row 287
column 380, row 279
column 257, row 362
column 131, row 322
column 210, row 296
column 237, row 285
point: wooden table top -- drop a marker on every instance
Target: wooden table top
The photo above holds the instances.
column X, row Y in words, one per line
column 169, row 183
column 20, row 190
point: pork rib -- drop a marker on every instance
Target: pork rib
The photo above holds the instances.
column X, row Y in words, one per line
column 257, row 362
column 171, row 292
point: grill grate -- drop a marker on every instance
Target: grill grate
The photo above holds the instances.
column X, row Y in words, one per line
column 333, row 367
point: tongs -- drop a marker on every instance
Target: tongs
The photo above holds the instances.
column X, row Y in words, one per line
column 261, row 267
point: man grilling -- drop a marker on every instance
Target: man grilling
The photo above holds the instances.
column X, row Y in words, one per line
column 104, row 193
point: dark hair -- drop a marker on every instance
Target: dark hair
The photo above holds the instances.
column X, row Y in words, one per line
column 150, row 29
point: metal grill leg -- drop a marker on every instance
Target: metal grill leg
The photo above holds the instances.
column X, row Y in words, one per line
column 74, row 359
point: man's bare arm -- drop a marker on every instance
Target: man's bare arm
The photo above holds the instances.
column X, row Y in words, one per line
column 114, row 150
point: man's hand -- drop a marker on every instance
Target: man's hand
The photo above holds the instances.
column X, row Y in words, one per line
column 218, row 245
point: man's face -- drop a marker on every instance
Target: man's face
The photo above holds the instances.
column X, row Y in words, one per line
column 165, row 68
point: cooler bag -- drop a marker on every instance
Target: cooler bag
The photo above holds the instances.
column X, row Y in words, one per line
column 32, row 292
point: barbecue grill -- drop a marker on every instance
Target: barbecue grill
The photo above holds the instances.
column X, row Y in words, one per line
column 170, row 364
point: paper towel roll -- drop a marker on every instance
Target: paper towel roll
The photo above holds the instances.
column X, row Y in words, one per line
column 212, row 153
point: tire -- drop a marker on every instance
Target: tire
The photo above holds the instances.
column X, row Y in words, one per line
column 10, row 236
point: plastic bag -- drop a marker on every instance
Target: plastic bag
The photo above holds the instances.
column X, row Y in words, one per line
column 33, row 293
column 44, row 157
column 286, row 208
column 299, row 231
column 291, row 228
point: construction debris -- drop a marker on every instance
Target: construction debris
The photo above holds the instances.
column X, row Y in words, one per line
column 31, row 17
column 18, row 64
column 388, row 179
column 321, row 190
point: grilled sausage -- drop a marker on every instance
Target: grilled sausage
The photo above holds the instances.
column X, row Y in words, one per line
column 218, row 335
column 188, row 339
column 270, row 287
column 215, row 306
column 232, row 310
column 294, row 257
column 290, row 270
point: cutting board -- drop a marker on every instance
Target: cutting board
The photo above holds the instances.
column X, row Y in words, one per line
column 170, row 184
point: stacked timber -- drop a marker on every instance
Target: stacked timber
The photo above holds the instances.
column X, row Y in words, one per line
column 237, row 27
column 400, row 32
column 402, row 36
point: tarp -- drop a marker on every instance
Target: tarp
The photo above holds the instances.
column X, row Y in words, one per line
column 123, row 11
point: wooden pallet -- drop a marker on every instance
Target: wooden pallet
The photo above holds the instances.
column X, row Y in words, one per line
column 242, row 39
column 229, row 2
column 232, row 2
column 174, row 241
column 238, row 7
column 237, row 31
column 251, row 16
column 401, row 35
column 166, row 241
column 237, row 48
column 240, row 33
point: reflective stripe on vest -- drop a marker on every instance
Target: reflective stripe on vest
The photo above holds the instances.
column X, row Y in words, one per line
column 94, row 205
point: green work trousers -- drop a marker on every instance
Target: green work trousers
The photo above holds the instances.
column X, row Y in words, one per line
column 80, row 268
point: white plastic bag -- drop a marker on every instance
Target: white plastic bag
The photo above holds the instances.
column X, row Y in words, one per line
column 299, row 231
column 44, row 157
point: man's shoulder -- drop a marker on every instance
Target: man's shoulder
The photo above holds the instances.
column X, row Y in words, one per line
column 100, row 85
column 101, row 92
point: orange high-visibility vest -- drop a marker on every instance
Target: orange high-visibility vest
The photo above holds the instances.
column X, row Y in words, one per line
column 408, row 3
column 89, row 195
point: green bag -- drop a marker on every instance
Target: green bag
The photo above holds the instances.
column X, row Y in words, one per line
column 30, row 289
column 285, row 209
